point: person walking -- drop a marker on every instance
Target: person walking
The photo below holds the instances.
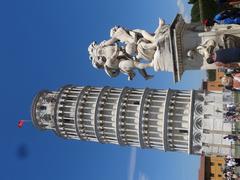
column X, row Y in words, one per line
column 222, row 57
column 231, row 137
column 231, row 82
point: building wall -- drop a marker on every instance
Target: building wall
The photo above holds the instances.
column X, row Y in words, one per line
column 213, row 165
column 213, row 126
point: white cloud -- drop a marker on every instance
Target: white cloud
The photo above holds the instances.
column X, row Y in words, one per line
column 182, row 10
column 142, row 176
column 132, row 163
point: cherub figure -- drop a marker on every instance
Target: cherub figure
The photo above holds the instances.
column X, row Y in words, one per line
column 141, row 44
column 114, row 60
column 125, row 50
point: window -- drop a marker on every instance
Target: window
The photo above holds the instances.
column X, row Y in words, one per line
column 206, row 131
column 183, row 131
column 211, row 74
column 136, row 102
column 42, row 108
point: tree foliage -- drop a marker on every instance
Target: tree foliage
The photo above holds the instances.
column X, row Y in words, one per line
column 192, row 1
column 195, row 13
column 209, row 9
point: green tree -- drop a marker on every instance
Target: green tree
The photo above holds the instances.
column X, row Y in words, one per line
column 192, row 1
column 195, row 13
column 209, row 9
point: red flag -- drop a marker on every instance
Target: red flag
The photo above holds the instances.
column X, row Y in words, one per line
column 20, row 123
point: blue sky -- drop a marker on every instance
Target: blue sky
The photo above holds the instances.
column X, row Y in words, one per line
column 43, row 45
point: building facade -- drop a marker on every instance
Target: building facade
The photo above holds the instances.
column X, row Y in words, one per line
column 169, row 120
column 191, row 36
column 211, row 168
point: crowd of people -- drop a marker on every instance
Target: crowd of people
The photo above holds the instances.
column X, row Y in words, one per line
column 232, row 113
column 229, row 15
column 231, row 79
column 228, row 170
column 228, row 58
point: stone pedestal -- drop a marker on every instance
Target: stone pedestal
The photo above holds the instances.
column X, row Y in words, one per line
column 224, row 35
column 183, row 38
column 186, row 37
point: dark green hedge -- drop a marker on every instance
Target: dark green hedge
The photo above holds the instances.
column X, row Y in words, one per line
column 209, row 9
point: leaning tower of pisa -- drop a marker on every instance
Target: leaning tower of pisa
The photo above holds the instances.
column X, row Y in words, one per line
column 169, row 120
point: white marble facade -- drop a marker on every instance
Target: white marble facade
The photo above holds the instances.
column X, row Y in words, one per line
column 169, row 120
column 213, row 126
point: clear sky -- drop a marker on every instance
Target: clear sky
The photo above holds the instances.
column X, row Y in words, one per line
column 43, row 45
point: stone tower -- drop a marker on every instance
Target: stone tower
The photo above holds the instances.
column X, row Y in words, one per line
column 169, row 120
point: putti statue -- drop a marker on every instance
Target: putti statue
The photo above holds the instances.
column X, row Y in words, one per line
column 126, row 49
column 175, row 48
